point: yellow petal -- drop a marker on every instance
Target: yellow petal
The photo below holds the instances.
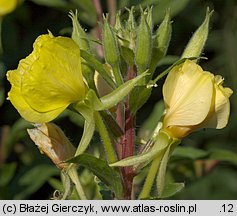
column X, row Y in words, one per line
column 220, row 114
column 52, row 77
column 22, row 107
column 7, row 6
column 187, row 94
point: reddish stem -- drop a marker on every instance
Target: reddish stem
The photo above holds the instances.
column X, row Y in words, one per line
column 125, row 146
column 98, row 32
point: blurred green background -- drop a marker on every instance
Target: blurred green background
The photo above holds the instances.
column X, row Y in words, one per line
column 208, row 173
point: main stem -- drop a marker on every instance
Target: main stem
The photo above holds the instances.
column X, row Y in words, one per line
column 125, row 146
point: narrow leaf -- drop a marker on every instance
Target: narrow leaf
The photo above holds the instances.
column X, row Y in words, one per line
column 102, row 170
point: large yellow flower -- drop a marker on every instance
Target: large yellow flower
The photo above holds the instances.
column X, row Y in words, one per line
column 7, row 6
column 48, row 80
column 194, row 99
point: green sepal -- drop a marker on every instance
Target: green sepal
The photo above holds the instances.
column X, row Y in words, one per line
column 102, row 170
column 198, row 40
column 89, row 126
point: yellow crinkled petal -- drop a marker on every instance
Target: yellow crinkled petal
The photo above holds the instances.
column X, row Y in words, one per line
column 7, row 6
column 51, row 74
column 221, row 111
column 187, row 94
column 27, row 112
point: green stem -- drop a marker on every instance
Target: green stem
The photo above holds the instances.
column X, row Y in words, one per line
column 145, row 193
column 72, row 172
column 111, row 155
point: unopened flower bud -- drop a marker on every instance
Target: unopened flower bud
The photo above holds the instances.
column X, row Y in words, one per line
column 111, row 51
column 51, row 141
column 194, row 99
column 198, row 40
column 143, row 45
column 163, row 34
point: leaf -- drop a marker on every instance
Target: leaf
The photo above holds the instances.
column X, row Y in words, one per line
column 189, row 152
column 7, row 172
column 102, row 170
column 171, row 189
column 223, row 155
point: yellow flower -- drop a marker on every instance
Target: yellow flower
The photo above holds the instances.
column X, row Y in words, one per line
column 51, row 140
column 7, row 6
column 194, row 99
column 48, row 80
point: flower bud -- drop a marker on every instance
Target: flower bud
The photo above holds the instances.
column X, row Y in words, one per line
column 111, row 50
column 80, row 38
column 163, row 34
column 78, row 34
column 51, row 140
column 194, row 99
column 7, row 6
column 198, row 40
column 48, row 80
column 143, row 45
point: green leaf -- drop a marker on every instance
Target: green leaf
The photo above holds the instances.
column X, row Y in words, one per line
column 223, row 155
column 7, row 172
column 102, row 170
column 171, row 189
column 189, row 152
